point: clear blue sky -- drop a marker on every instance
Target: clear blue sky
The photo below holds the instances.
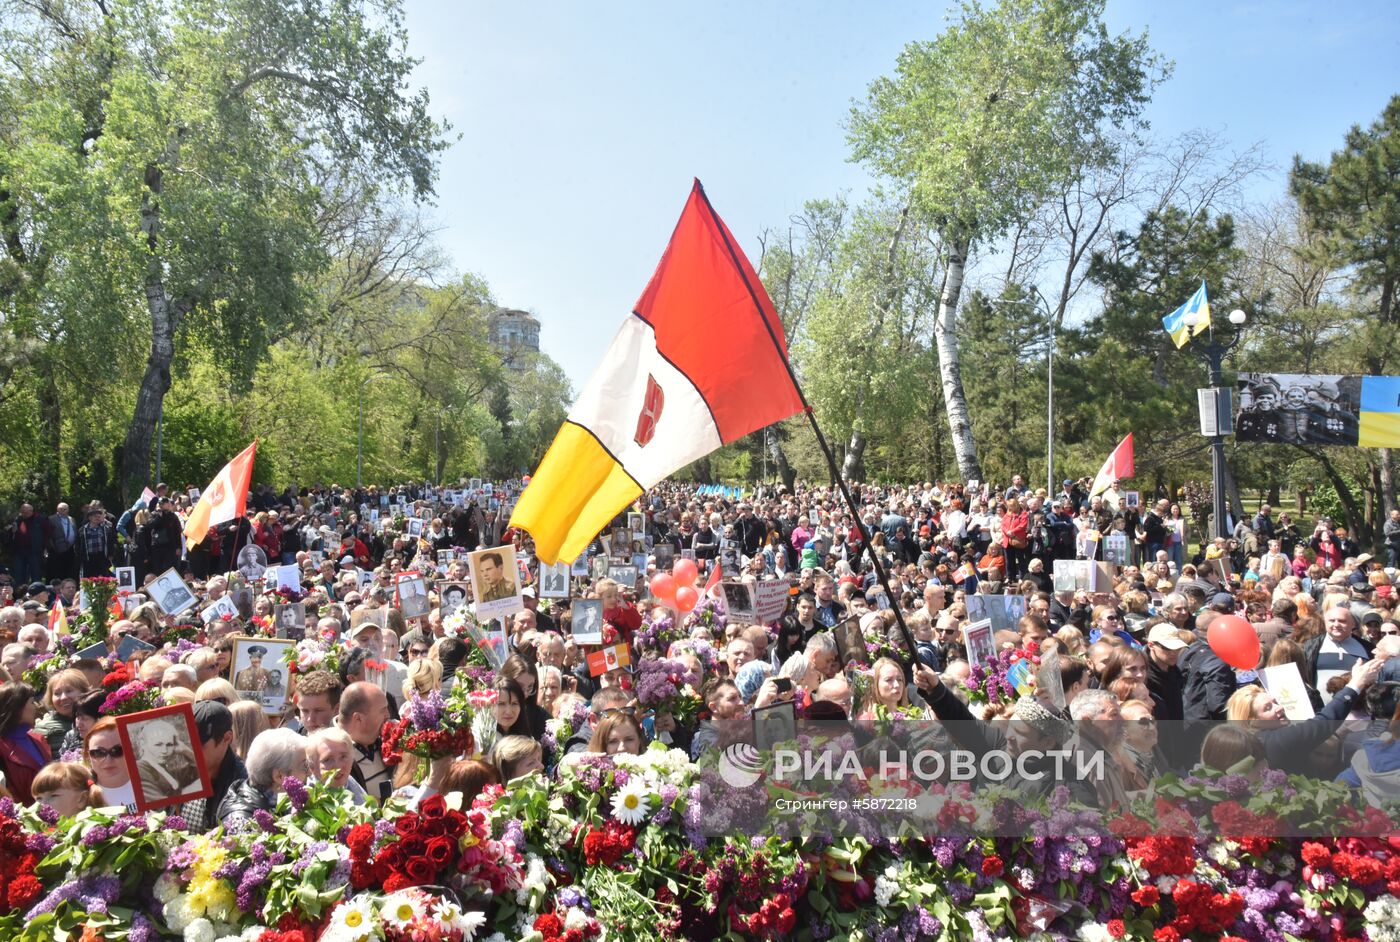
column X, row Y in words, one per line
column 583, row 123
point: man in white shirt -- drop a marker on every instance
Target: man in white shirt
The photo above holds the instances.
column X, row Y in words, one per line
column 1338, row 650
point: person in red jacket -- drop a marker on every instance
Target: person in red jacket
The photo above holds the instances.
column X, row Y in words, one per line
column 23, row 752
column 1015, row 539
column 618, row 612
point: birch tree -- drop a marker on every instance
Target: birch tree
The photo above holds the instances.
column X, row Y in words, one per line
column 985, row 123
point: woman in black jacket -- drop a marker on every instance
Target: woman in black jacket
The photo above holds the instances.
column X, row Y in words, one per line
column 1289, row 745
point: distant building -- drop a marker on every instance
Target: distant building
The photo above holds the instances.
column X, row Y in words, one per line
column 513, row 333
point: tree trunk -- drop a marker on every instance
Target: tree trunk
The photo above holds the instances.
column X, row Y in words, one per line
column 775, row 451
column 1387, row 477
column 945, row 335
column 853, row 468
column 155, row 383
column 166, row 315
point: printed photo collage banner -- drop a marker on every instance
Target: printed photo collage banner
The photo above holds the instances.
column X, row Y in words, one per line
column 1298, row 409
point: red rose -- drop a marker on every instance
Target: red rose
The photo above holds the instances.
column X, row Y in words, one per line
column 1147, row 896
column 1116, row 928
column 432, row 807
column 419, row 871
column 441, row 851
column 396, row 882
column 992, row 866
column 407, row 825
column 456, row 824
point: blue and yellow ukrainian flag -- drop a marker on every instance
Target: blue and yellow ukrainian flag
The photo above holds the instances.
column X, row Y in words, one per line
column 1175, row 322
column 1380, row 412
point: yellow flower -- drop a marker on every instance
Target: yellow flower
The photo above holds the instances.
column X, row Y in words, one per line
column 354, row 919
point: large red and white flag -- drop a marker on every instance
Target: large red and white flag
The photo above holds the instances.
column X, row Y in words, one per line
column 1118, row 466
column 224, row 499
column 701, row 362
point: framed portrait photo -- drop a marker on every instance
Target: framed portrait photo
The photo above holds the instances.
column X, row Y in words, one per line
column 126, row 578
column 586, row 621
column 495, row 582
column 170, row 593
column 850, row 642
column 554, row 581
column 223, row 608
column 738, row 600
column 453, row 596
column 290, row 620
column 411, row 592
column 259, row 673
column 163, row 756
column 774, row 724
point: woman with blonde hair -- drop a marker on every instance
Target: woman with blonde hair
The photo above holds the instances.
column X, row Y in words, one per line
column 1288, row 745
column 248, row 721
column 424, row 676
column 67, row 788
column 61, row 696
column 887, row 689
column 217, row 689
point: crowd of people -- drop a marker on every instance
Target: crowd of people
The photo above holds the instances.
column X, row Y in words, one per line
column 1136, row 676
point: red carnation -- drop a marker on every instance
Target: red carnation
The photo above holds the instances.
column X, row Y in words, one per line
column 1116, row 928
column 992, row 866
column 23, row 891
column 396, row 882
column 361, row 875
column 360, row 840
column 1147, row 896
column 1316, row 855
column 548, row 925
column 1166, row 934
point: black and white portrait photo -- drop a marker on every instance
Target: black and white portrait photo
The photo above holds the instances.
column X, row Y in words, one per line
column 738, row 600
column 252, row 562
column 412, row 595
column 170, row 593
column 126, row 578
column 163, row 756
column 290, row 620
column 454, row 596
column 586, row 621
column 554, row 581
column 259, row 673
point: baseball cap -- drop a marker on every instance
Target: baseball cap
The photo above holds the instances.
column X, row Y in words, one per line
column 1222, row 598
column 1166, row 636
column 1372, row 616
column 212, row 719
column 37, row 588
column 347, row 561
column 528, row 592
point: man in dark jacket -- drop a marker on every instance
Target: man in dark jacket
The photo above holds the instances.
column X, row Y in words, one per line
column 163, row 536
column 749, row 531
column 29, row 537
column 214, row 722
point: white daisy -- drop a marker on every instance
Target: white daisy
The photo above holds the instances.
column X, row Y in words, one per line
column 446, row 912
column 353, row 921
column 470, row 924
column 400, row 909
column 632, row 803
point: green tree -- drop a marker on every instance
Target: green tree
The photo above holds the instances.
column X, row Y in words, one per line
column 984, row 123
column 1352, row 205
column 166, row 179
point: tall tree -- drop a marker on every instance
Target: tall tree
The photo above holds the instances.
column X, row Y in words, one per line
column 189, row 139
column 1352, row 204
column 986, row 122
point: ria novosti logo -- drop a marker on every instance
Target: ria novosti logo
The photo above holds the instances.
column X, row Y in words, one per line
column 739, row 765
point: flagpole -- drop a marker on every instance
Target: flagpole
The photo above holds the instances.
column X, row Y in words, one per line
column 816, row 430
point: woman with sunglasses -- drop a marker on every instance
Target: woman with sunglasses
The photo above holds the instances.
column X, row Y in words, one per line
column 23, row 752
column 103, row 753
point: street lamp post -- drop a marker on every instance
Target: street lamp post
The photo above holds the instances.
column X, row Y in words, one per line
column 1213, row 353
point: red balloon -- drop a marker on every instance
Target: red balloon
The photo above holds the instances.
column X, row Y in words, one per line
column 687, row 598
column 1234, row 641
column 663, row 587
column 684, row 572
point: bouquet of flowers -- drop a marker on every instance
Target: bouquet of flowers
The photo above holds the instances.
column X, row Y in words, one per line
column 430, row 727
column 312, row 654
column 559, row 730
column 658, row 632
column 436, row 844
column 998, row 680
column 667, row 686
column 710, row 614
column 98, row 592
column 410, row 915
column 126, row 693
